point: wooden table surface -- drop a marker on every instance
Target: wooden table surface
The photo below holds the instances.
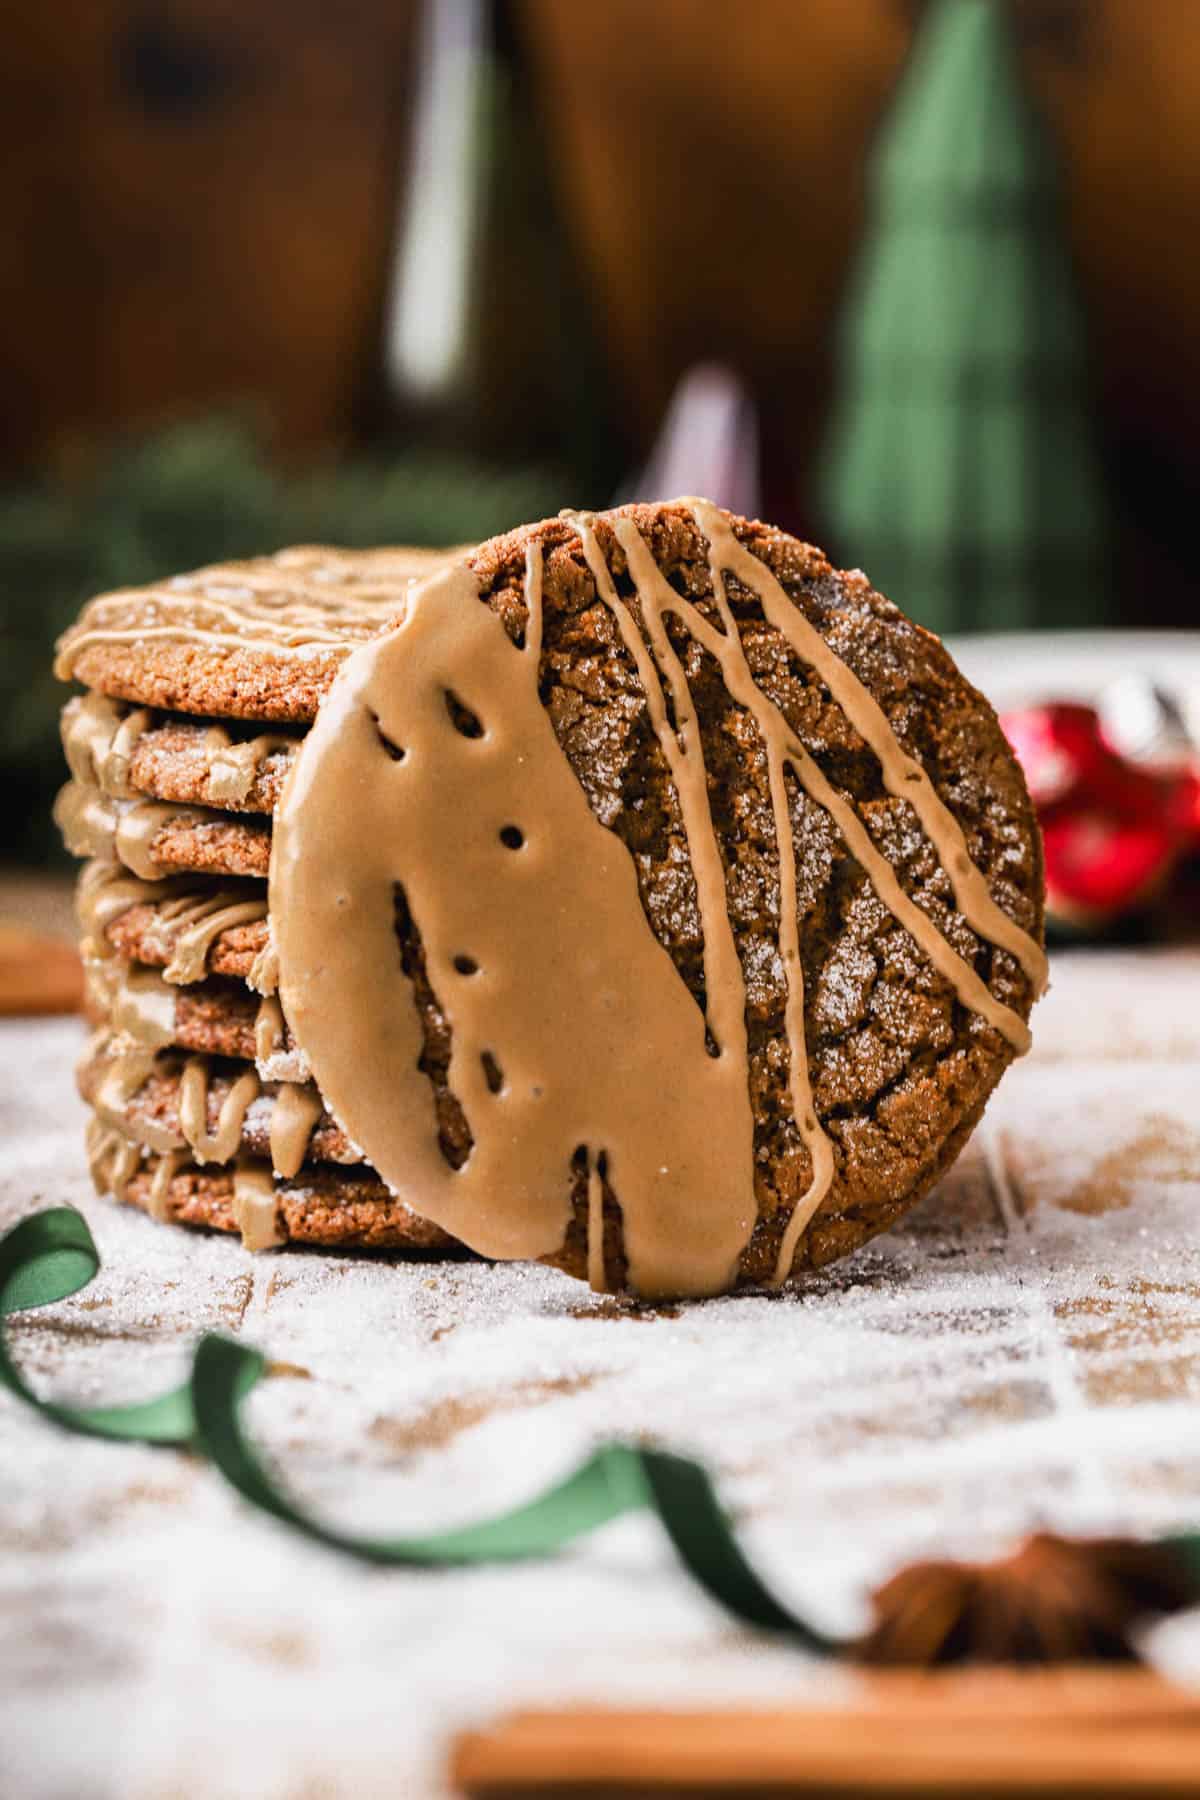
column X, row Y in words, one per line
column 1024, row 1351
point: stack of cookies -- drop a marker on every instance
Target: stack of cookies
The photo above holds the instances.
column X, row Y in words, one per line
column 199, row 693
column 646, row 897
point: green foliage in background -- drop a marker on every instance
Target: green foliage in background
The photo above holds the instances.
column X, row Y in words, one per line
column 195, row 495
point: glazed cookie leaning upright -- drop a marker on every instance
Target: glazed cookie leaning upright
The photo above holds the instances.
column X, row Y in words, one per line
column 657, row 901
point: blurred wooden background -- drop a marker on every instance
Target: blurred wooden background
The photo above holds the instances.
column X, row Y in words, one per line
column 200, row 200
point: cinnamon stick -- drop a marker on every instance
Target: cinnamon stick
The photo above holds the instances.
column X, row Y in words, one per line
column 995, row 1733
column 38, row 973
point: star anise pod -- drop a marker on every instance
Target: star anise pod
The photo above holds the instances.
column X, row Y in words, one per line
column 1054, row 1600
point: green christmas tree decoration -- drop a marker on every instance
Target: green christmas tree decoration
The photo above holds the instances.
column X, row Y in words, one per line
column 960, row 468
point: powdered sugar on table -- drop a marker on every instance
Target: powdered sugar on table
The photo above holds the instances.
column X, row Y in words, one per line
column 1024, row 1351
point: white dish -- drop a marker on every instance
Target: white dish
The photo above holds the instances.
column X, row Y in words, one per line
column 1021, row 667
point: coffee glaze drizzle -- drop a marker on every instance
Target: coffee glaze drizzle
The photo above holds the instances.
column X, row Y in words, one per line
column 134, row 1002
column 597, row 1274
column 99, row 737
column 387, row 732
column 231, row 764
column 294, row 1118
column 220, row 1143
column 114, row 1159
column 189, row 918
column 125, row 1063
column 903, row 777
column 657, row 598
column 539, row 902
column 194, row 922
column 295, row 604
column 92, row 824
column 256, row 1206
column 275, row 1057
column 725, row 994
column 138, row 1007
column 104, row 891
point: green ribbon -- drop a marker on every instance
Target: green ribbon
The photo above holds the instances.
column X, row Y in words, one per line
column 51, row 1255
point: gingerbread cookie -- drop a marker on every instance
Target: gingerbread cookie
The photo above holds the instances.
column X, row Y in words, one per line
column 648, row 897
column 248, row 640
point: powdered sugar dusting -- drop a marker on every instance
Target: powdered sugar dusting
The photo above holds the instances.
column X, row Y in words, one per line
column 1024, row 1350
column 283, row 1065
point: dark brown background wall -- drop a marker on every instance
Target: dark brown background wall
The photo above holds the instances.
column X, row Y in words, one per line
column 199, row 199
